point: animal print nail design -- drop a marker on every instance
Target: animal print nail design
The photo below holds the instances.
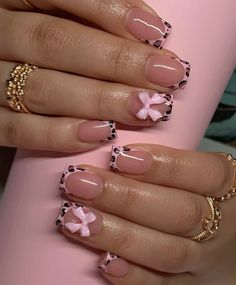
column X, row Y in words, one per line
column 68, row 171
column 109, row 257
column 113, row 134
column 148, row 112
column 80, row 218
column 116, row 151
column 160, row 42
column 187, row 67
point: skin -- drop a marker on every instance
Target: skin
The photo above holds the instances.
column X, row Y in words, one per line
column 60, row 45
column 138, row 215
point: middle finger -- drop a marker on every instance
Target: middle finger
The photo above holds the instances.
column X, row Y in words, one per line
column 61, row 44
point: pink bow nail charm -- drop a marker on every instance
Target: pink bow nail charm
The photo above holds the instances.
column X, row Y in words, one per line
column 148, row 101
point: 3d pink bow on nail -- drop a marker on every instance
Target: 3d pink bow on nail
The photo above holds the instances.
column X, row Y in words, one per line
column 147, row 110
column 85, row 218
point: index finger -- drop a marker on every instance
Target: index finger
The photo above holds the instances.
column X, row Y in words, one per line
column 132, row 19
column 209, row 174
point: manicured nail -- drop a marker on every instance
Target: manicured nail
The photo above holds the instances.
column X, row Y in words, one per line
column 76, row 218
column 147, row 27
column 96, row 131
column 168, row 71
column 114, row 265
column 150, row 106
column 130, row 160
column 81, row 183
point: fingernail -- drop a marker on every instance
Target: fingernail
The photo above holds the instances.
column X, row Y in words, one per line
column 97, row 131
column 147, row 27
column 168, row 71
column 130, row 160
column 76, row 218
column 114, row 265
column 81, row 183
column 150, row 105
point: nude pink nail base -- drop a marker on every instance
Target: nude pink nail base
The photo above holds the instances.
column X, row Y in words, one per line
column 151, row 105
column 159, row 43
column 70, row 169
column 187, row 67
column 109, row 257
column 75, row 218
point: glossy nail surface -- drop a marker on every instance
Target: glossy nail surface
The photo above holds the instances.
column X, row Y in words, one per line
column 76, row 218
column 147, row 27
column 149, row 105
column 96, row 131
column 130, row 160
column 168, row 71
column 81, row 183
column 114, row 265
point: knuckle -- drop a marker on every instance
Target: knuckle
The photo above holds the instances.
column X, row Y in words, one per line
column 122, row 241
column 50, row 37
column 192, row 215
column 12, row 132
column 129, row 198
column 121, row 57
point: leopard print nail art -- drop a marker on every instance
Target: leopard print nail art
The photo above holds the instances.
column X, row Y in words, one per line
column 113, row 133
column 187, row 67
column 107, row 260
column 116, row 151
column 68, row 171
column 160, row 42
column 169, row 103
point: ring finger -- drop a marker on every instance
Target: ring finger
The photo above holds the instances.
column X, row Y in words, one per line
column 61, row 44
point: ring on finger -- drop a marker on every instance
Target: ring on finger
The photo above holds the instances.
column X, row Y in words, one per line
column 210, row 224
column 16, row 84
column 232, row 191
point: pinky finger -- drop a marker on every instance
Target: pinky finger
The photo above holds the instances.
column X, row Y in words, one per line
column 62, row 134
column 119, row 272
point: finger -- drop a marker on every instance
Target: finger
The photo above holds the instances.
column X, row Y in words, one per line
column 129, row 19
column 65, row 45
column 120, row 272
column 133, row 242
column 47, row 133
column 202, row 173
column 56, row 93
column 130, row 199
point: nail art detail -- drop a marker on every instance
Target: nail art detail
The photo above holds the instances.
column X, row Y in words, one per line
column 187, row 68
column 160, row 42
column 83, row 217
column 116, row 151
column 113, row 134
column 68, row 171
column 109, row 257
column 156, row 99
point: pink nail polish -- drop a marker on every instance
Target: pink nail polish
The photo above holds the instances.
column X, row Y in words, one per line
column 81, row 183
column 168, row 71
column 147, row 27
column 76, row 218
column 96, row 131
column 148, row 105
column 130, row 160
column 114, row 265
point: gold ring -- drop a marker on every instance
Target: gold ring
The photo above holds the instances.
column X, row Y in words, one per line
column 16, row 84
column 232, row 191
column 210, row 224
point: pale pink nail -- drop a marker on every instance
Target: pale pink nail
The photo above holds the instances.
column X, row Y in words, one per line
column 76, row 218
column 96, row 131
column 81, row 183
column 148, row 105
column 130, row 160
column 168, row 71
column 147, row 27
column 114, row 265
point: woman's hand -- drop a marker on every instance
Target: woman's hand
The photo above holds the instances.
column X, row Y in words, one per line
column 147, row 213
column 86, row 72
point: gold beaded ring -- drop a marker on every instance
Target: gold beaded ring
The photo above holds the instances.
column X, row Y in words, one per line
column 210, row 224
column 232, row 191
column 16, row 84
